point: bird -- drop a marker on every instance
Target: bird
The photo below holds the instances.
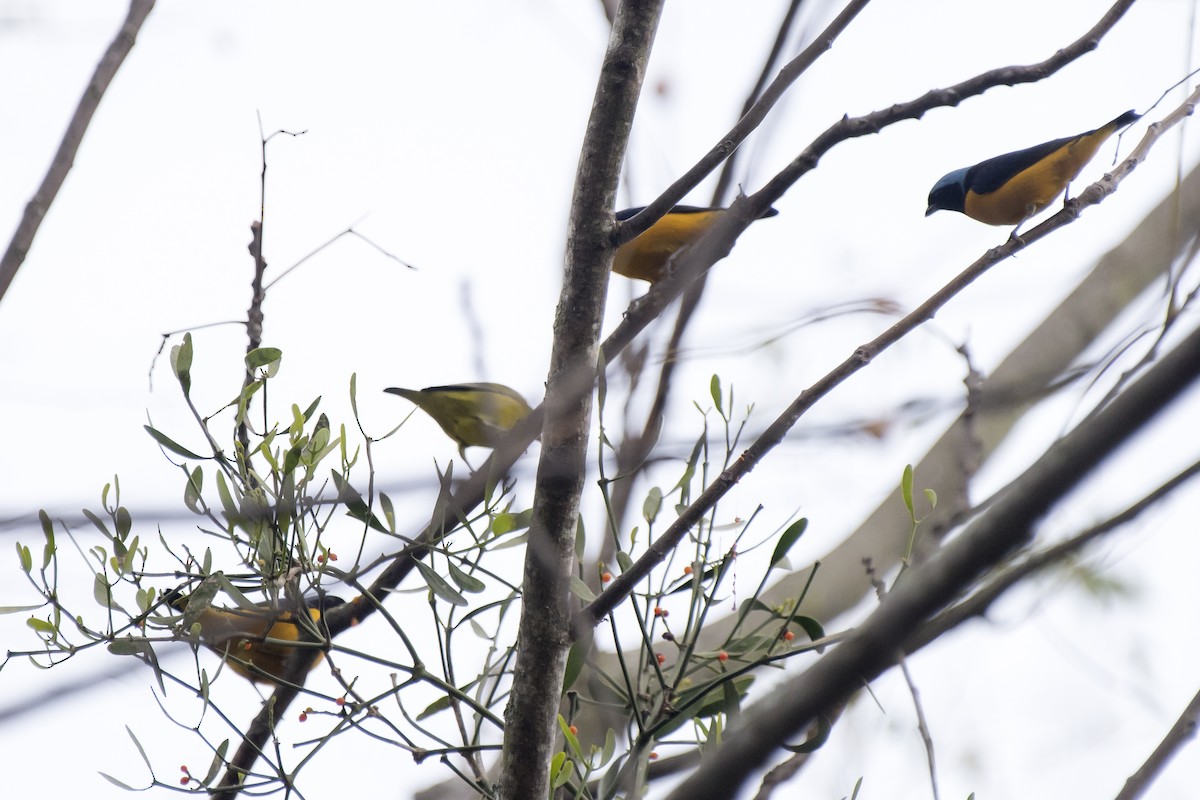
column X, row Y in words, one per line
column 646, row 256
column 247, row 638
column 1009, row 189
column 472, row 414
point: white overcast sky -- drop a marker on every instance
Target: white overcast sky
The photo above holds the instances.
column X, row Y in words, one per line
column 448, row 133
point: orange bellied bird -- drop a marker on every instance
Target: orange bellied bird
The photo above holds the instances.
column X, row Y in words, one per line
column 254, row 642
column 1009, row 189
column 646, row 257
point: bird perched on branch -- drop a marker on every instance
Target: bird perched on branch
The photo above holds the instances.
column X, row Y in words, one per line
column 1009, row 189
column 254, row 642
column 472, row 414
column 645, row 257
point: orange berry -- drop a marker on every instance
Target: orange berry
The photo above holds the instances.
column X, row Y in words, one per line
column 688, row 570
column 661, row 658
column 574, row 731
column 606, row 576
column 304, row 716
column 788, row 636
column 333, row 556
column 722, row 656
column 341, row 701
column 653, row 755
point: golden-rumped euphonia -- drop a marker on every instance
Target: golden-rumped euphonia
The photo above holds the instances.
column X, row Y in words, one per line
column 646, row 257
column 253, row 642
column 472, row 414
column 1009, row 189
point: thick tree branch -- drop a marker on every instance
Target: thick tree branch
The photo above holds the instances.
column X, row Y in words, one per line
column 875, row 645
column 545, row 627
column 981, row 600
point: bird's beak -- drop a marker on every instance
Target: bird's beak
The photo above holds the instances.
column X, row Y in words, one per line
column 930, row 210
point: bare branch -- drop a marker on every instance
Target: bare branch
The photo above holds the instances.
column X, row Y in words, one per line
column 64, row 158
column 872, row 647
column 1180, row 734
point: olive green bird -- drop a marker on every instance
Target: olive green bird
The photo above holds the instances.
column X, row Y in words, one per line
column 472, row 414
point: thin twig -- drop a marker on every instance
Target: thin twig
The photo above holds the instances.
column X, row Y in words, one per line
column 1183, row 731
column 64, row 157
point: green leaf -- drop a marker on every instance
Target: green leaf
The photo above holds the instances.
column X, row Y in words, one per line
column 572, row 739
column 389, row 512
column 170, row 444
column 102, row 592
column 561, row 770
column 356, row 507
column 610, row 747
column 685, row 481
column 218, row 763
column 513, row 541
column 128, row 647
column 25, row 557
column 906, row 489
column 441, row 704
column 117, row 783
column 789, row 538
column 624, row 561
column 181, row 363
column 581, row 589
column 99, row 523
column 41, row 625
column 718, row 700
column 231, row 509
column 267, row 357
column 506, row 523
column 652, row 504
column 714, row 388
column 50, row 548
column 810, row 626
column 124, row 522
column 576, row 658
column 439, row 586
column 191, row 492
column 291, row 459
column 580, row 538
column 818, row 737
column 18, row 609
column 308, row 412
column 465, row 581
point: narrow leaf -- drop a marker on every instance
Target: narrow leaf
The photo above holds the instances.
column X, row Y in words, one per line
column 169, row 444
column 439, row 586
column 789, row 538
